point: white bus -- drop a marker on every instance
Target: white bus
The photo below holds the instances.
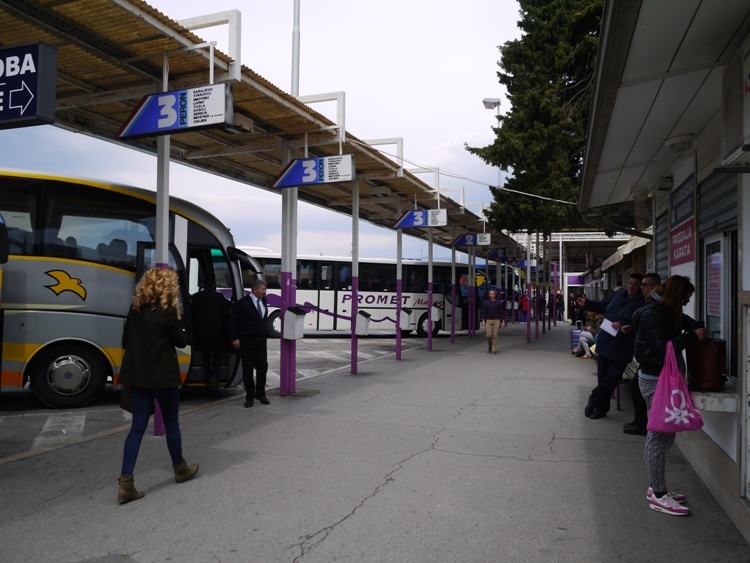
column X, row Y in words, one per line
column 76, row 249
column 324, row 290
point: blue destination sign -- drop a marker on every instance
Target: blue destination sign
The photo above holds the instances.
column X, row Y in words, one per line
column 311, row 171
column 472, row 239
column 423, row 218
column 180, row 111
column 27, row 85
column 497, row 256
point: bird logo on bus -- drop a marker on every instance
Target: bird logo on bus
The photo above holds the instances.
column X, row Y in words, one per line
column 66, row 283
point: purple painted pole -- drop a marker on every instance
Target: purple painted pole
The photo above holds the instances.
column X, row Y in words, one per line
column 285, row 374
column 355, row 312
column 399, row 291
column 429, row 315
column 453, row 312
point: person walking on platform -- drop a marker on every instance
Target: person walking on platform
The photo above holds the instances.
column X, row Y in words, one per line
column 659, row 323
column 247, row 331
column 524, row 308
column 152, row 331
column 614, row 343
column 640, row 418
column 492, row 313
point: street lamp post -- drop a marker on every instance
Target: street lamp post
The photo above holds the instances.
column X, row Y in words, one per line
column 494, row 103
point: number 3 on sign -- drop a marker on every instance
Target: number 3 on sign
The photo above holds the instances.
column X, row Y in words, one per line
column 167, row 113
column 419, row 219
column 309, row 170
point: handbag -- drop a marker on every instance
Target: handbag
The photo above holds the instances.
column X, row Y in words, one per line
column 126, row 403
column 672, row 408
column 706, row 365
column 126, row 399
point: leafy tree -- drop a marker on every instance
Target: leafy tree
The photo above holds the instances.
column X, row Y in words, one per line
column 548, row 74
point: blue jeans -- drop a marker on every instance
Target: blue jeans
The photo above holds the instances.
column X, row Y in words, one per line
column 143, row 401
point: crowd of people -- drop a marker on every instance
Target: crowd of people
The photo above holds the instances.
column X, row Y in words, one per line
column 634, row 323
column 632, row 326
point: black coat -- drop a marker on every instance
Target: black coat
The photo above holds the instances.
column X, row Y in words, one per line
column 654, row 330
column 245, row 321
column 210, row 311
column 149, row 338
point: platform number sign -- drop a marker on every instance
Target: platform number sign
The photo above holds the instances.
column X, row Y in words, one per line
column 318, row 170
column 179, row 111
column 473, row 239
column 419, row 218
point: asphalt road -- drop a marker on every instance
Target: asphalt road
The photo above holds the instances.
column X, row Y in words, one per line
column 28, row 427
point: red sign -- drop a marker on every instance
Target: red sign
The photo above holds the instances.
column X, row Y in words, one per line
column 682, row 243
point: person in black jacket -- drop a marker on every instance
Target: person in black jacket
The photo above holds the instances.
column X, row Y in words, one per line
column 614, row 352
column 491, row 319
column 247, row 331
column 659, row 323
column 150, row 367
column 638, row 425
column 210, row 312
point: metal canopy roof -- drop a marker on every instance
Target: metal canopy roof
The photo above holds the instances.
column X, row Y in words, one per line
column 110, row 54
column 658, row 78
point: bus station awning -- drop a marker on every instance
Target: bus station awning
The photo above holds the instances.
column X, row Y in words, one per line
column 110, row 54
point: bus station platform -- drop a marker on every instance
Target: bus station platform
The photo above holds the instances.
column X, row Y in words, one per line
column 449, row 455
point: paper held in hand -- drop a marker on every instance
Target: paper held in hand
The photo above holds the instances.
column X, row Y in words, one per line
column 608, row 328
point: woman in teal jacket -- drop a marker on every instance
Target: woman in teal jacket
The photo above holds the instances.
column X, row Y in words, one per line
column 150, row 367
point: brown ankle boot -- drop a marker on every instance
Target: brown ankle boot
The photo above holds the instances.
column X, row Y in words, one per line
column 127, row 490
column 184, row 472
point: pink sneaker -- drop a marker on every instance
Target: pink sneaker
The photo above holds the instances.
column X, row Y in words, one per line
column 668, row 505
column 677, row 497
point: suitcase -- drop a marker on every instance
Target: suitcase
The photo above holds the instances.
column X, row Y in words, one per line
column 706, row 365
column 575, row 335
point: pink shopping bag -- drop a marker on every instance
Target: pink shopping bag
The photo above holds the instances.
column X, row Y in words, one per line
column 672, row 408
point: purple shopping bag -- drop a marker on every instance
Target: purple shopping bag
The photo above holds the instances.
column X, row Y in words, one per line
column 159, row 429
column 672, row 408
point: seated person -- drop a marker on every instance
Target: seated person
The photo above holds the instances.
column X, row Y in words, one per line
column 588, row 335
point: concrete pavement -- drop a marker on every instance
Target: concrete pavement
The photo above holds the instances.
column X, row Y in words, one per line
column 453, row 455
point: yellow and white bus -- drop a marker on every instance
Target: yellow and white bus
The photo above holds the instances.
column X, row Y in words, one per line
column 75, row 250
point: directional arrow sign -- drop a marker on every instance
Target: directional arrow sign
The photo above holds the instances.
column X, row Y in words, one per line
column 311, row 171
column 423, row 218
column 27, row 85
column 179, row 111
column 472, row 239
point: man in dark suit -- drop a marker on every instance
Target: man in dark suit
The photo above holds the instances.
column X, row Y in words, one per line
column 247, row 330
column 210, row 312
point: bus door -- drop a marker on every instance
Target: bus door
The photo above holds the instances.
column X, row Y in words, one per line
column 327, row 298
column 308, row 291
column 209, row 268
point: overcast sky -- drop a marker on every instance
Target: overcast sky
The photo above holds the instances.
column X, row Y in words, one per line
column 416, row 69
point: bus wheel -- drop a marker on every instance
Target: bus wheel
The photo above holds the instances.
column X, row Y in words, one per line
column 68, row 375
column 422, row 326
column 273, row 324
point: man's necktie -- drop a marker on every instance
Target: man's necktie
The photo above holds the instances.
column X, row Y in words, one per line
column 260, row 308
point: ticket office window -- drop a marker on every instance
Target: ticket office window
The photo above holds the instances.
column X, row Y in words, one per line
column 719, row 285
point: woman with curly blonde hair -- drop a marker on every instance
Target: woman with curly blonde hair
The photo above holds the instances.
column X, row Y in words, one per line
column 150, row 368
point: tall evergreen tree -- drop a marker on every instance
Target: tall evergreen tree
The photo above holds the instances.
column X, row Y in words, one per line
column 548, row 74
